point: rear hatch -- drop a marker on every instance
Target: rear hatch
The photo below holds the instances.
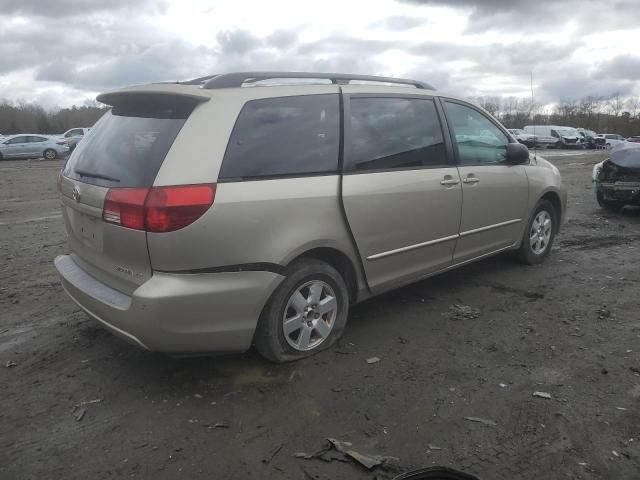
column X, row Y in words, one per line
column 119, row 159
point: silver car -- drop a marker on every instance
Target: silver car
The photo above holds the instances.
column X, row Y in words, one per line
column 224, row 212
column 31, row 146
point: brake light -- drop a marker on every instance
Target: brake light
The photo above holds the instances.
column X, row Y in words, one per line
column 158, row 209
column 61, row 143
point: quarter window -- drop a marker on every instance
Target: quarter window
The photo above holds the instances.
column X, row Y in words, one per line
column 390, row 133
column 479, row 140
column 284, row 136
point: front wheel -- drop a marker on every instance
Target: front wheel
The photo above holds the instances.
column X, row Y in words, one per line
column 306, row 314
column 539, row 234
column 50, row 154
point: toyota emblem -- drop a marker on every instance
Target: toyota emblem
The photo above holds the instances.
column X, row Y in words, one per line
column 76, row 193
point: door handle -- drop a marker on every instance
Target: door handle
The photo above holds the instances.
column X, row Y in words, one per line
column 471, row 180
column 449, row 182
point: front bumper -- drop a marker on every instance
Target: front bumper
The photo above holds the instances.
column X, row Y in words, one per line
column 176, row 313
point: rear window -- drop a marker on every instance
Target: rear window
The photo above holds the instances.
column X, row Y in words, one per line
column 284, row 136
column 128, row 145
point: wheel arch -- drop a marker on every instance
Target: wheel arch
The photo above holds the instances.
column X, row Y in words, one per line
column 338, row 260
column 553, row 197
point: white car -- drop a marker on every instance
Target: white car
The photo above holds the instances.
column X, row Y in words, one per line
column 523, row 137
column 610, row 139
column 32, row 146
column 73, row 136
column 556, row 135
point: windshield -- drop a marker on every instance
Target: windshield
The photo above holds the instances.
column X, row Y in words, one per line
column 127, row 146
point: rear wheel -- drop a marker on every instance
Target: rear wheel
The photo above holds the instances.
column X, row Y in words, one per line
column 613, row 206
column 306, row 314
column 539, row 234
column 50, row 154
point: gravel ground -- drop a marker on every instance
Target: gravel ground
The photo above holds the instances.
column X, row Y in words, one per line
column 569, row 327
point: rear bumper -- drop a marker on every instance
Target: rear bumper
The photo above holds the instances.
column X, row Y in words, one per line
column 176, row 313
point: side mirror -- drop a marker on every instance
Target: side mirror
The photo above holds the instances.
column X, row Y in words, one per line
column 516, row 154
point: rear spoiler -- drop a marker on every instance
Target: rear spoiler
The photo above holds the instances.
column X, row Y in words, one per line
column 152, row 92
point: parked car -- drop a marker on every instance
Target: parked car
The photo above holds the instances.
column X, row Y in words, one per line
column 588, row 136
column 617, row 180
column 557, row 136
column 73, row 136
column 31, row 146
column 635, row 139
column 264, row 229
column 610, row 139
column 523, row 137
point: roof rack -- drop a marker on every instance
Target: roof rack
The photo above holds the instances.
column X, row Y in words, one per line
column 237, row 79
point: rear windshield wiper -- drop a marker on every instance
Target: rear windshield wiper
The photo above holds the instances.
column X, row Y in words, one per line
column 84, row 173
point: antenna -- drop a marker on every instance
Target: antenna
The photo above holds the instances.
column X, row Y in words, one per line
column 535, row 150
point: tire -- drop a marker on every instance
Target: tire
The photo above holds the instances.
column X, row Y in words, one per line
column 612, row 206
column 50, row 154
column 302, row 339
column 534, row 251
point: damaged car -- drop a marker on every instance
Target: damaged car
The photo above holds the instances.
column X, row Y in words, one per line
column 617, row 179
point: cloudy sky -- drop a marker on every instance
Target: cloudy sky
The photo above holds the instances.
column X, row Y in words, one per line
column 63, row 52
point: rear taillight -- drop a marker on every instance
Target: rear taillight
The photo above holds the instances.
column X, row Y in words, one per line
column 61, row 143
column 157, row 209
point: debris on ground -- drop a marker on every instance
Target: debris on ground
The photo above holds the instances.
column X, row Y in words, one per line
column 10, row 364
column 402, row 340
column 270, row 456
column 79, row 413
column 328, row 454
column 484, row 421
column 197, row 395
column 502, row 385
column 603, row 313
column 635, row 370
column 88, row 402
column 213, row 426
column 372, row 360
column 463, row 312
column 542, row 395
column 433, row 447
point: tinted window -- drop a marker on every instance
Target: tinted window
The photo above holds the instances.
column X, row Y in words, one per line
column 479, row 140
column 395, row 133
column 284, row 136
column 128, row 145
column 37, row 139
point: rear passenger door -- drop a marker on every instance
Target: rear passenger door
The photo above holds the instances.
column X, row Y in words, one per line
column 37, row 145
column 401, row 195
column 494, row 194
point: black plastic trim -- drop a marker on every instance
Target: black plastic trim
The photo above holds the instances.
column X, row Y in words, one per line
column 242, row 267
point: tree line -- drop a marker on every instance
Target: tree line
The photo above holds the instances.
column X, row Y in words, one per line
column 31, row 118
column 612, row 114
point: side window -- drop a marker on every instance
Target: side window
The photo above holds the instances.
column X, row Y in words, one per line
column 479, row 140
column 389, row 133
column 37, row 139
column 18, row 140
column 76, row 132
column 284, row 136
column 554, row 134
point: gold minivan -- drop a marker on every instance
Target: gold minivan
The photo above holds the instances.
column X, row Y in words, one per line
column 253, row 208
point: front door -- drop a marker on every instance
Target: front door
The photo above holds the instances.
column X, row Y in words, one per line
column 402, row 197
column 17, row 147
column 494, row 194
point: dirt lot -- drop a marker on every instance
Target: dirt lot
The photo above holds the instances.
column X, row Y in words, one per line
column 569, row 327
